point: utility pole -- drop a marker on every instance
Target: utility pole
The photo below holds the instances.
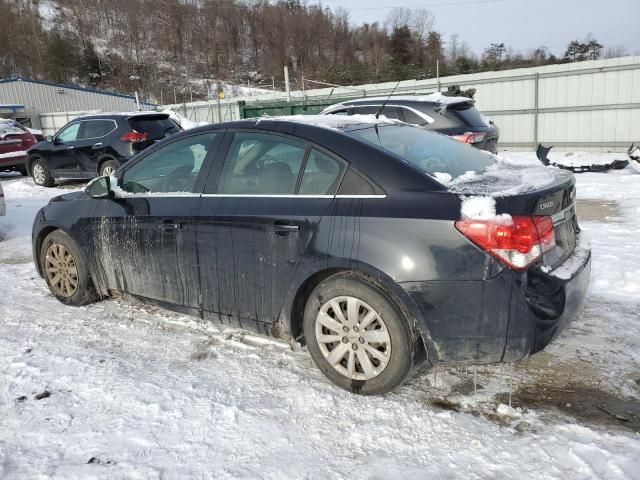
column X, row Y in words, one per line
column 438, row 72
column 286, row 83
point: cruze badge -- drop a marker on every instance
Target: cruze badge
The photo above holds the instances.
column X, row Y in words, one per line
column 544, row 206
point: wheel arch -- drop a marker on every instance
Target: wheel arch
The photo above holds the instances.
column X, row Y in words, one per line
column 31, row 157
column 105, row 158
column 289, row 323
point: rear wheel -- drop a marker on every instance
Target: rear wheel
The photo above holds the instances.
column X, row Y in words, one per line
column 64, row 270
column 356, row 336
column 108, row 168
column 41, row 174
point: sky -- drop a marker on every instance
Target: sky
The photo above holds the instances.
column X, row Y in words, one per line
column 521, row 24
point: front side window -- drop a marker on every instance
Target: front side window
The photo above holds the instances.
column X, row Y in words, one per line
column 69, row 133
column 172, row 168
column 430, row 152
column 261, row 164
column 321, row 174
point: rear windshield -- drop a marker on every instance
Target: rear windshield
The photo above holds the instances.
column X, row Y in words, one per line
column 157, row 126
column 9, row 128
column 430, row 152
column 467, row 113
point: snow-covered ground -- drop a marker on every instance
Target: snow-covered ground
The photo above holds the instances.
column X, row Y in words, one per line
column 139, row 392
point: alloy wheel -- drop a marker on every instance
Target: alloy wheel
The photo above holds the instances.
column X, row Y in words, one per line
column 38, row 174
column 61, row 270
column 108, row 171
column 353, row 338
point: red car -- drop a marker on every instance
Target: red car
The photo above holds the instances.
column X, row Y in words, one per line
column 15, row 140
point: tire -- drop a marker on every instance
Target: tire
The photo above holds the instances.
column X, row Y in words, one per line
column 41, row 174
column 388, row 333
column 109, row 167
column 58, row 256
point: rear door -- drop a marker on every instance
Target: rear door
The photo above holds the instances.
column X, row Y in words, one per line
column 90, row 144
column 145, row 237
column 260, row 209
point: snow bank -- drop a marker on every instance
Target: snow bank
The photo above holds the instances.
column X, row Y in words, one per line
column 183, row 121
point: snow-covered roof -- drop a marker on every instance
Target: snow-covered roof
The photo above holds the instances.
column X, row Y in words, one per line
column 436, row 97
column 333, row 122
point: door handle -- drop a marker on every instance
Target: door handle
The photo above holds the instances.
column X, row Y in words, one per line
column 169, row 226
column 284, row 228
column 71, row 147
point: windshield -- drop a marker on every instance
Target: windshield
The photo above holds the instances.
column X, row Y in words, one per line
column 431, row 152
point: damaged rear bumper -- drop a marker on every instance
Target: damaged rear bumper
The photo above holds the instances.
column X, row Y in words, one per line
column 502, row 319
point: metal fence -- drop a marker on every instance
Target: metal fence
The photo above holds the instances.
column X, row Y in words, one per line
column 593, row 105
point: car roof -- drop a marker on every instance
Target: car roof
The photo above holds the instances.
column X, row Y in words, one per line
column 112, row 115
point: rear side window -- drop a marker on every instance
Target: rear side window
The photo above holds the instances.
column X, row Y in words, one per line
column 467, row 114
column 413, row 118
column 430, row 152
column 172, row 168
column 261, row 164
column 321, row 174
column 156, row 126
column 96, row 128
column 389, row 112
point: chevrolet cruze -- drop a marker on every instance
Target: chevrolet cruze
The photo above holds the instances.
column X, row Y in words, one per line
column 381, row 246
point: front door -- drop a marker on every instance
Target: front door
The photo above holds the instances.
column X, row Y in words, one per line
column 145, row 237
column 62, row 157
column 256, row 224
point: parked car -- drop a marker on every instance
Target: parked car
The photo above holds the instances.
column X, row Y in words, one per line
column 15, row 140
column 95, row 145
column 334, row 233
column 453, row 116
column 3, row 204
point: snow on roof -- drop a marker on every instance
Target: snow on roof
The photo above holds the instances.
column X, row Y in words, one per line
column 436, row 97
column 333, row 122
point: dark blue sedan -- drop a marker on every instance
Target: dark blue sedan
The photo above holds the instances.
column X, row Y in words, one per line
column 379, row 245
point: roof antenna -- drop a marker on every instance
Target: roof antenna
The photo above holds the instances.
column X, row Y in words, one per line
column 385, row 102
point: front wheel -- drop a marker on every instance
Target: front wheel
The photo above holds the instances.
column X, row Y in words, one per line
column 41, row 174
column 356, row 336
column 64, row 270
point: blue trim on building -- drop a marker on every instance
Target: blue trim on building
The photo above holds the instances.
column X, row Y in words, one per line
column 71, row 87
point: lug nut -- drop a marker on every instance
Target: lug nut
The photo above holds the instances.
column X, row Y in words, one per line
column 345, row 328
column 356, row 329
column 345, row 340
column 361, row 340
column 354, row 346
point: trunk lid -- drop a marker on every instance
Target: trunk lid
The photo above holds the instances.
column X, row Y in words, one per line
column 532, row 191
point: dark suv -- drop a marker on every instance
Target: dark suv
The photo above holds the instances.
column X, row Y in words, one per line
column 95, row 145
column 456, row 117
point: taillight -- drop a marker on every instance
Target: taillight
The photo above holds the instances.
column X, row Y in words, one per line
column 470, row 137
column 518, row 243
column 134, row 137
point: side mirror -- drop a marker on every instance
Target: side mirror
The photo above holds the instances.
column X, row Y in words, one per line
column 100, row 188
column 49, row 138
